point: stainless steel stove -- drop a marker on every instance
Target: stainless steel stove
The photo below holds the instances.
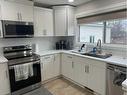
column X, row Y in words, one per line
column 19, row 57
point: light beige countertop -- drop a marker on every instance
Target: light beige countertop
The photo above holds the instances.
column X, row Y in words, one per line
column 3, row 59
column 116, row 60
column 124, row 84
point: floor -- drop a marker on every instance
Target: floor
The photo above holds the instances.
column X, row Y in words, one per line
column 64, row 87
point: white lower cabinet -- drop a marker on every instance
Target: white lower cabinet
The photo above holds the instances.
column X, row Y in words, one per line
column 4, row 80
column 50, row 66
column 87, row 72
column 80, row 74
column 97, row 77
column 67, row 66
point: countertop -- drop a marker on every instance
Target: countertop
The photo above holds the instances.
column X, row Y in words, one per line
column 3, row 59
column 116, row 60
column 124, row 84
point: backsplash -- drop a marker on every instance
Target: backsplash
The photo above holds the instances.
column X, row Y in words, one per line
column 44, row 43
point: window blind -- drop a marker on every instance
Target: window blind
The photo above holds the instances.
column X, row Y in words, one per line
column 103, row 17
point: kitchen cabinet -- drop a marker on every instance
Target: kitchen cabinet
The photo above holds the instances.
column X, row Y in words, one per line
column 14, row 11
column 80, row 70
column 43, row 22
column 64, row 20
column 68, row 66
column 50, row 65
column 1, row 33
column 4, row 79
column 97, row 76
column 87, row 72
column 56, row 65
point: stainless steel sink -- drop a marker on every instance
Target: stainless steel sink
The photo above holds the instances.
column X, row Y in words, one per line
column 98, row 55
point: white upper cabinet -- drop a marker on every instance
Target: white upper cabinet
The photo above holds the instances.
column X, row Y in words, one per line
column 64, row 20
column 43, row 22
column 14, row 11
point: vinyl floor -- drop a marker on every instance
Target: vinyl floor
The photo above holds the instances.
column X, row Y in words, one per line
column 64, row 87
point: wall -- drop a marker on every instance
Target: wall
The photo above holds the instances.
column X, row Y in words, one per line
column 45, row 43
column 96, row 4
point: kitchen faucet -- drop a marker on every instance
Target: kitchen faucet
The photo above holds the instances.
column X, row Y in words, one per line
column 99, row 48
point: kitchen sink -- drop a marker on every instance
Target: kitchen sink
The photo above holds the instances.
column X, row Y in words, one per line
column 98, row 55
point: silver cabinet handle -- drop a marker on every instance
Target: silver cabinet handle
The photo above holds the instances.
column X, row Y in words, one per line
column 18, row 16
column 47, row 57
column 0, row 33
column 69, row 57
column 72, row 64
column 44, row 32
column 87, row 69
column 7, row 74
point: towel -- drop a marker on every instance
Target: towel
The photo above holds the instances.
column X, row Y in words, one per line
column 23, row 72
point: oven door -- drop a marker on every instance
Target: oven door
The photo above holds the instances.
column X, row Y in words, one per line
column 34, row 79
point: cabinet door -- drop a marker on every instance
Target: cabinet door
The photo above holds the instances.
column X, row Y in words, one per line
column 80, row 74
column 60, row 21
column 56, row 65
column 47, row 69
column 9, row 11
column 97, row 77
column 26, row 12
column 48, row 26
column 4, row 80
column 67, row 66
column 70, row 15
column 1, row 33
column 43, row 20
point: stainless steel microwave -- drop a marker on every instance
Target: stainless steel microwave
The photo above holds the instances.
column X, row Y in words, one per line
column 14, row 29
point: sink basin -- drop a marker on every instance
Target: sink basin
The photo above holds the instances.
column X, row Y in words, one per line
column 98, row 55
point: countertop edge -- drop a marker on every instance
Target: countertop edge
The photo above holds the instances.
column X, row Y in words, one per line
column 110, row 61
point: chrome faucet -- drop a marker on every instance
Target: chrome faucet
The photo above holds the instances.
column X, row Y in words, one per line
column 99, row 48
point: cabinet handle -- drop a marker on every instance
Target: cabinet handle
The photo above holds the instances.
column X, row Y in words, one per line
column 44, row 32
column 6, row 74
column 0, row 33
column 88, row 69
column 54, row 59
column 69, row 57
column 46, row 57
column 72, row 64
column 18, row 16
column 85, row 69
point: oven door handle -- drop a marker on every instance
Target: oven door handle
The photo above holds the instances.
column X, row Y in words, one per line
column 35, row 62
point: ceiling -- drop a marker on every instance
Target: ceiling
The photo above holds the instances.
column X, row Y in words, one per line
column 57, row 2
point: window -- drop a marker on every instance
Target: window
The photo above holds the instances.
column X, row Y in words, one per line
column 111, row 32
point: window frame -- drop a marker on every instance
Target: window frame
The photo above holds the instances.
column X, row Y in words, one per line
column 103, row 41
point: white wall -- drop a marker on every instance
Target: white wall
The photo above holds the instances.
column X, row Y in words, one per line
column 45, row 43
column 96, row 4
